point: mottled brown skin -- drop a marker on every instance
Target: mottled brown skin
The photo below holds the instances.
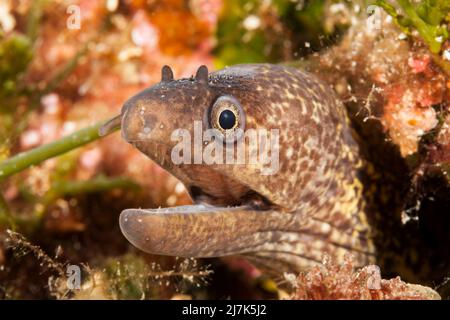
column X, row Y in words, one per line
column 282, row 222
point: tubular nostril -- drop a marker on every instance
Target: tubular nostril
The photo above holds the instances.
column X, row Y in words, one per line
column 110, row 126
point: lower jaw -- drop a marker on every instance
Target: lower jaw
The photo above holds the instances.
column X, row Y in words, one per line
column 199, row 230
column 272, row 240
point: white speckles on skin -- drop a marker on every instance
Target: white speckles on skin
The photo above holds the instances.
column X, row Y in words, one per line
column 172, row 200
column 285, row 105
column 271, row 121
column 315, row 112
column 325, row 228
column 304, row 107
column 278, row 106
column 161, row 126
column 292, row 180
column 179, row 188
column 289, row 95
column 147, row 130
column 311, row 143
column 289, row 152
column 288, row 72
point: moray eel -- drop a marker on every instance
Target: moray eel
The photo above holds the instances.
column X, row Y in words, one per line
column 283, row 221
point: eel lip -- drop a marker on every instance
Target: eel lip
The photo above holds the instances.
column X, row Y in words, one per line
column 150, row 229
column 195, row 230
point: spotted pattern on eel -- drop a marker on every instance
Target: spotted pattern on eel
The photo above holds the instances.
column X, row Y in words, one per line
column 282, row 222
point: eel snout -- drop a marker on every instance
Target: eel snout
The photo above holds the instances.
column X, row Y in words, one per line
column 200, row 231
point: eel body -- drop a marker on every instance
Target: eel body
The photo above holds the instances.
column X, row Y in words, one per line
column 282, row 220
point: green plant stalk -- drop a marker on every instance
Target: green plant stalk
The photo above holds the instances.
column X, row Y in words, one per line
column 35, row 156
column 72, row 188
column 445, row 66
column 426, row 31
column 58, row 190
column 391, row 10
column 5, row 214
column 98, row 184
column 33, row 20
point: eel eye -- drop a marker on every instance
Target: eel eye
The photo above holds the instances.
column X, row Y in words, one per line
column 228, row 117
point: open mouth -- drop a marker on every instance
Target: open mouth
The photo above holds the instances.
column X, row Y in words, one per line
column 213, row 187
column 228, row 217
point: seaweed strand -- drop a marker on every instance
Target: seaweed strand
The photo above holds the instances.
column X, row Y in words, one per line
column 35, row 156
